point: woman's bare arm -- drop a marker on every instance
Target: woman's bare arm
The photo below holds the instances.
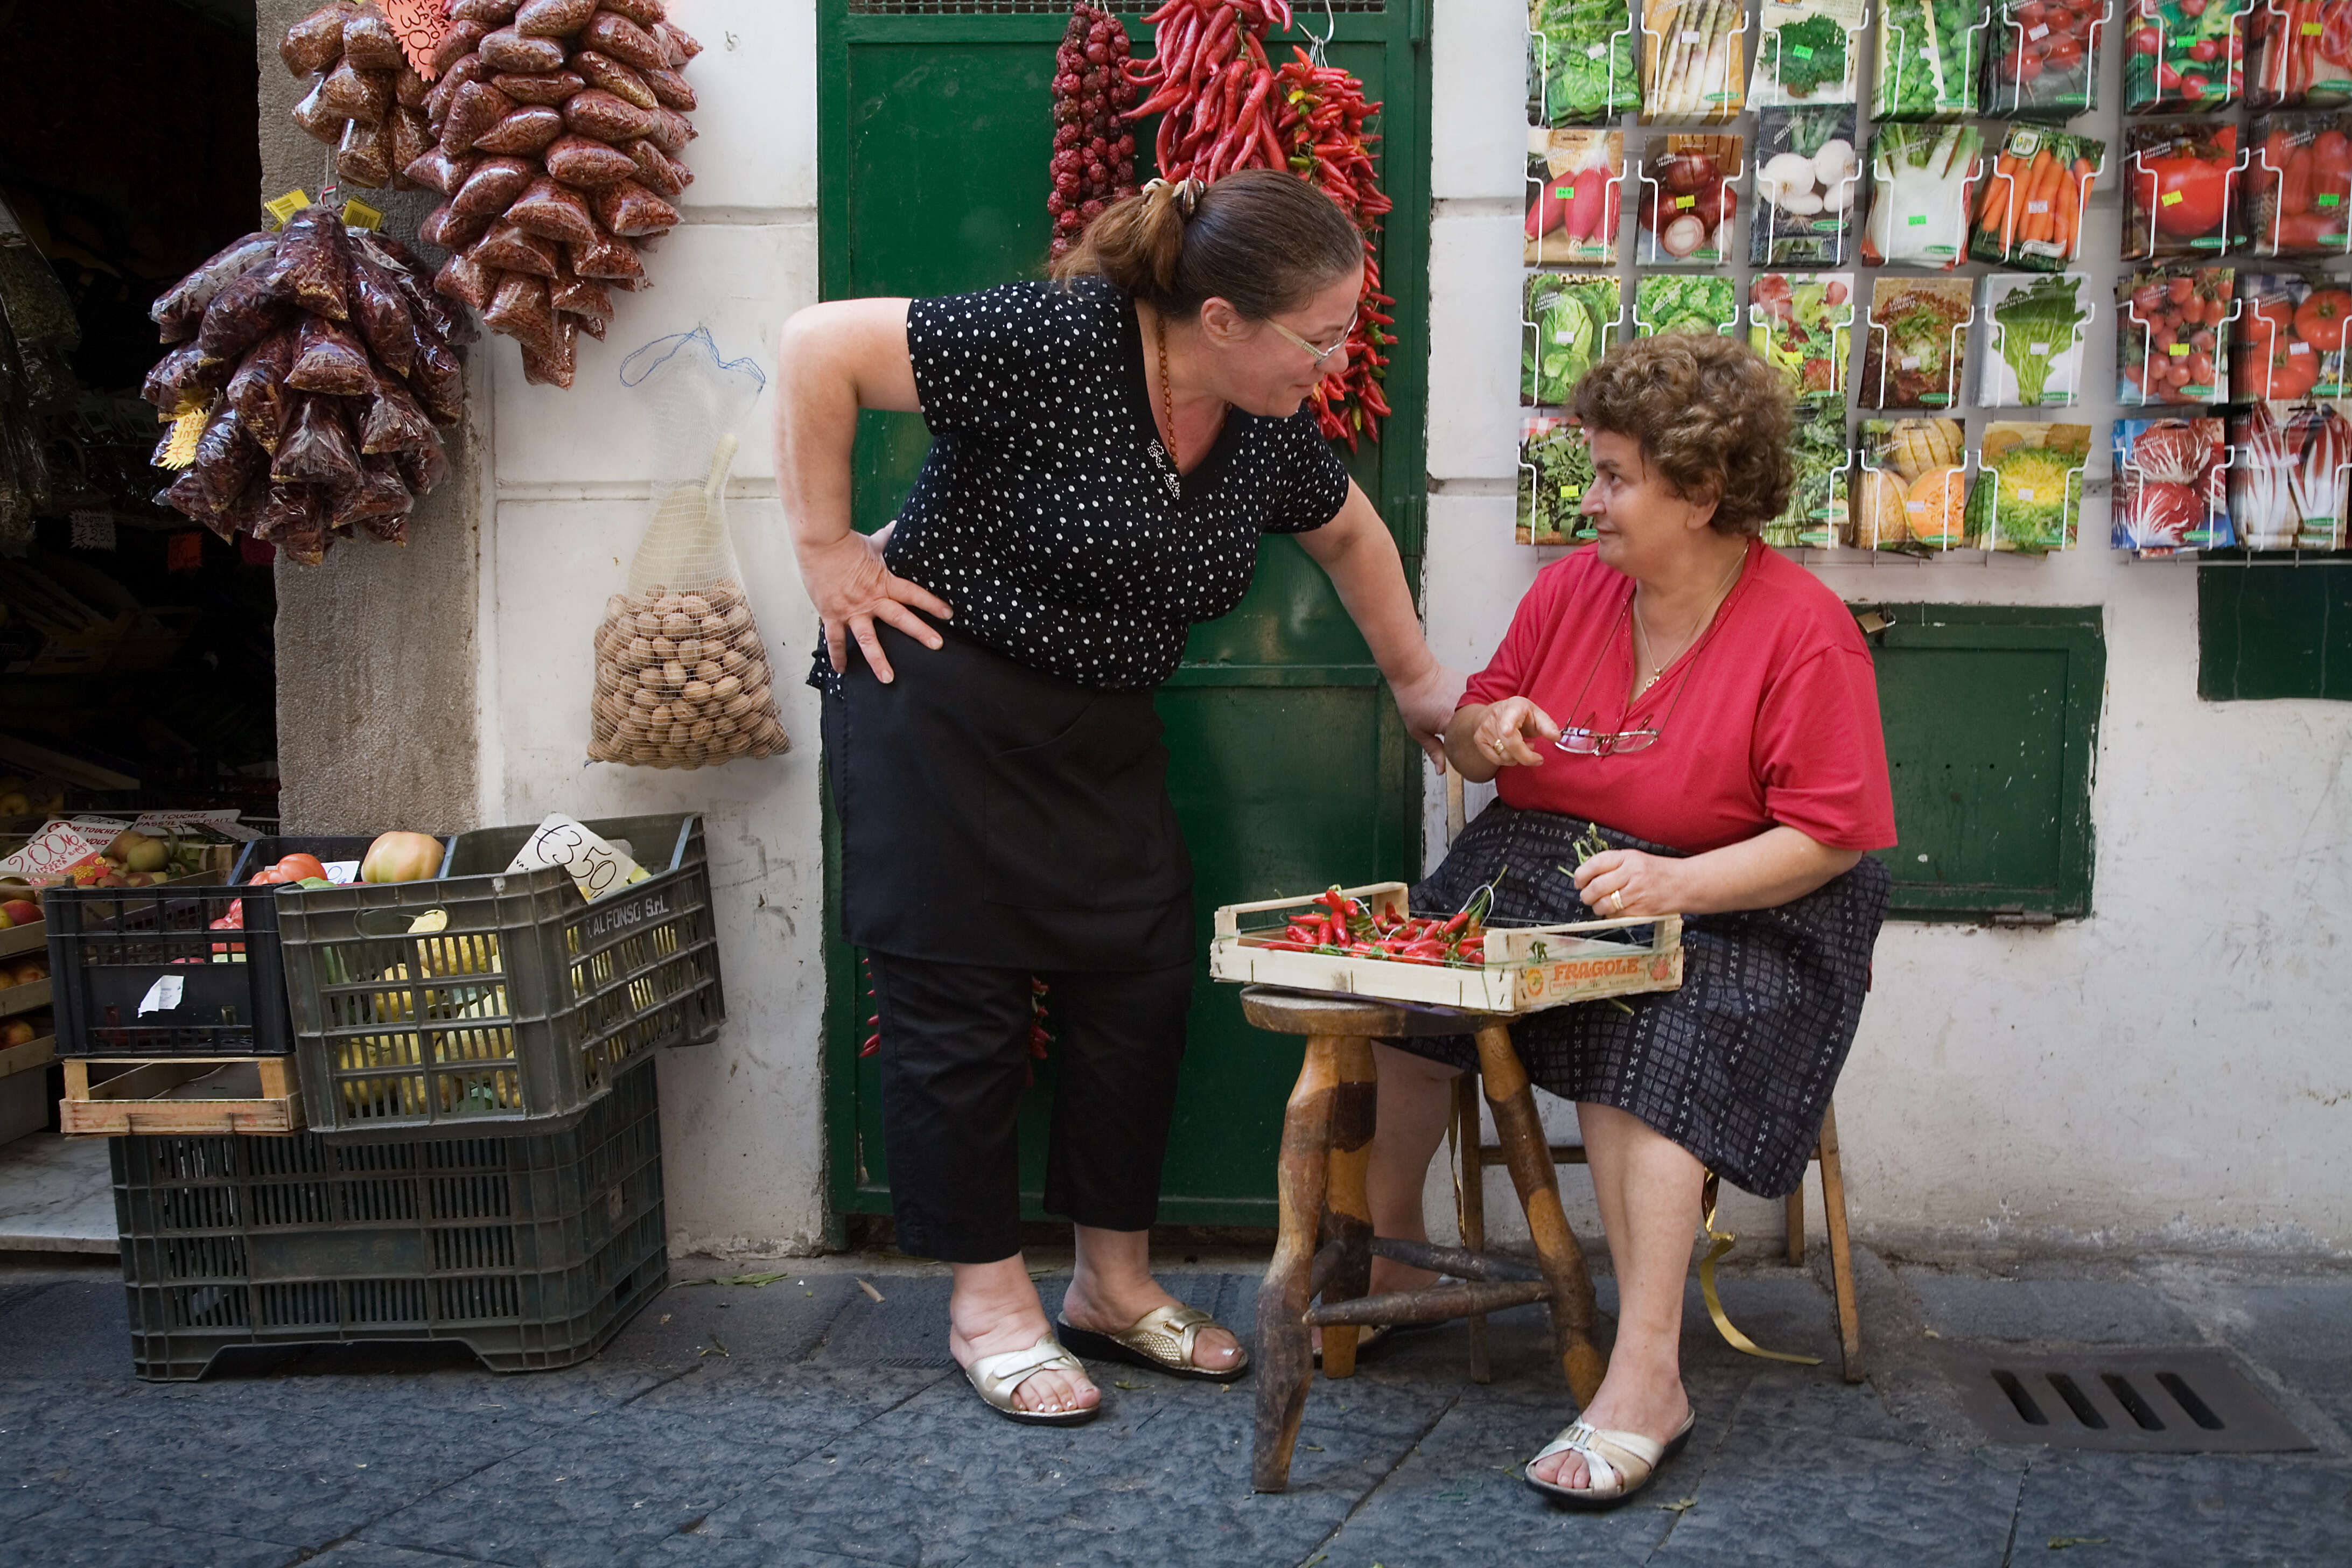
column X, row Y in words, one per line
column 1356, row 552
column 1776, row 866
column 832, row 361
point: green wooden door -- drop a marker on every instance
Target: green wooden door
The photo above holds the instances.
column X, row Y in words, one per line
column 1292, row 768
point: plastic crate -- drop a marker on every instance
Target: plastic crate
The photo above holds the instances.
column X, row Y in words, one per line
column 522, row 1009
column 532, row 1252
column 109, row 946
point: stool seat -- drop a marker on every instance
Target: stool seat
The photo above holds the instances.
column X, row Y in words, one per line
column 1280, row 1011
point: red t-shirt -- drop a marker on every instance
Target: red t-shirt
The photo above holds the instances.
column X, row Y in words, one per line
column 1770, row 718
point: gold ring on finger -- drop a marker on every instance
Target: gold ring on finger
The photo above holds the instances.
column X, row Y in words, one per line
column 1619, row 897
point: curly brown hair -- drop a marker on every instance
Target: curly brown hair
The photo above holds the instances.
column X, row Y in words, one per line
column 1709, row 415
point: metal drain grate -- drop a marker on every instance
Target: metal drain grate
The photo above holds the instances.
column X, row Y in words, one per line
column 2138, row 1401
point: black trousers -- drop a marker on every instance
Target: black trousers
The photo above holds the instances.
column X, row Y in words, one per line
column 955, row 1059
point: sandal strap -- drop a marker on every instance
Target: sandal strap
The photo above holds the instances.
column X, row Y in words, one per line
column 1167, row 1334
column 1628, row 1457
column 996, row 1376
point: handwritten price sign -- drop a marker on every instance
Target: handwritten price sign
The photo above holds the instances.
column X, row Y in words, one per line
column 596, row 868
column 60, row 845
column 420, row 25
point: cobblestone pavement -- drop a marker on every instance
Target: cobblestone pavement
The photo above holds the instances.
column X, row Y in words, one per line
column 801, row 1422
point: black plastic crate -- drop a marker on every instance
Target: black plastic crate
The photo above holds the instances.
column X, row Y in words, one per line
column 531, row 1251
column 523, row 1006
column 327, row 850
column 109, row 946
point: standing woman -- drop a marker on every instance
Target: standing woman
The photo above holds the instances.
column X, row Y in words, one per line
column 1106, row 449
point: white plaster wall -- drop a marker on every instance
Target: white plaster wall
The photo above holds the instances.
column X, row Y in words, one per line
column 742, row 1118
column 2173, row 1069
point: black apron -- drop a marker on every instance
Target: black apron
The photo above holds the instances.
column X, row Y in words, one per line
column 992, row 814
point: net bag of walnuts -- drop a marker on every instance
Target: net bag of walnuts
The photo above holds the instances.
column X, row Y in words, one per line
column 682, row 678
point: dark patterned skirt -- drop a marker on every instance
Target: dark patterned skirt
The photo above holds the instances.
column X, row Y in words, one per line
column 1737, row 1065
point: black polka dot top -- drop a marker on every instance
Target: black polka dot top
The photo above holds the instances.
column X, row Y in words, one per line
column 1048, row 515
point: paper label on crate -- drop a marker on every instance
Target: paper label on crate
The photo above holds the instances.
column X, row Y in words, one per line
column 162, row 996
column 60, row 845
column 596, row 868
column 341, row 871
column 222, row 821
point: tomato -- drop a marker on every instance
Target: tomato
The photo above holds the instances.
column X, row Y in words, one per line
column 269, row 875
column 2322, row 318
column 2204, row 49
column 2289, row 375
column 2194, row 86
column 2203, row 189
column 2027, row 15
column 2200, row 369
column 298, row 867
column 2145, row 40
column 2192, row 7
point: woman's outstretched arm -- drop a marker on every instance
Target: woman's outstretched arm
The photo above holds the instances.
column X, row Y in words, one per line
column 1354, row 549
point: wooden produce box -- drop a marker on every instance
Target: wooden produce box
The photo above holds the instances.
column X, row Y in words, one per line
column 32, row 1054
column 15, row 999
column 187, row 1095
column 1528, row 968
column 18, row 940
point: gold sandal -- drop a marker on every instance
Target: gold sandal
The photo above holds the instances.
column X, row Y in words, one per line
column 1162, row 1338
column 1627, row 1459
column 995, row 1377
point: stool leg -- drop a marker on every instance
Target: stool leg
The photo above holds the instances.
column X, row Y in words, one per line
column 1573, row 1310
column 1840, row 1253
column 1346, row 1210
column 1797, row 1221
column 1471, row 1207
column 1284, row 1356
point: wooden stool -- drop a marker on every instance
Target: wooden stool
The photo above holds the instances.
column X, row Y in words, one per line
column 1327, row 1135
column 1477, row 1156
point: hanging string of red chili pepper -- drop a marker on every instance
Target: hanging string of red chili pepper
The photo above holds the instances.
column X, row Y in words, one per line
column 1320, row 121
column 1211, row 84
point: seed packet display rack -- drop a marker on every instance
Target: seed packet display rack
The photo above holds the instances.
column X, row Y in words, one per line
column 2000, row 95
column 1528, row 968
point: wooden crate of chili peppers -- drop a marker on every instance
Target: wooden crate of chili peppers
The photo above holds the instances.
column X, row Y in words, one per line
column 1365, row 942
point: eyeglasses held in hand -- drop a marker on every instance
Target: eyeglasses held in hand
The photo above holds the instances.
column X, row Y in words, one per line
column 1601, row 743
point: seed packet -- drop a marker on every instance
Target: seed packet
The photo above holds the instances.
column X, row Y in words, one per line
column 2300, row 54
column 2299, row 184
column 1912, row 489
column 1806, row 52
column 2043, row 58
column 1921, row 181
column 1569, row 321
column 2171, row 489
column 1915, row 343
column 2028, row 495
column 1689, row 195
column 1802, row 324
column 1555, row 469
column 1581, row 61
column 2171, row 333
column 2287, row 477
column 1691, row 66
column 2034, row 329
column 1808, row 185
column 2288, row 341
column 2181, row 185
column 2184, row 56
column 1930, row 53
column 2029, row 210
column 1684, row 302
column 1817, row 516
column 1574, row 181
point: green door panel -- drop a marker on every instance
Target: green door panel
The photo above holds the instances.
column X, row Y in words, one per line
column 1290, row 768
column 1991, row 721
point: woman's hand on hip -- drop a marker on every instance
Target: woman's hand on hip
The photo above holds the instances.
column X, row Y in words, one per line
column 1427, row 704
column 1628, row 882
column 853, row 589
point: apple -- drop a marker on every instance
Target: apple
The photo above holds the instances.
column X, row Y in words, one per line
column 15, row 1032
column 135, row 851
column 402, row 857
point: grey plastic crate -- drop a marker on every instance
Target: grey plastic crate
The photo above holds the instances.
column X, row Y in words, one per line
column 531, row 1251
column 522, row 1010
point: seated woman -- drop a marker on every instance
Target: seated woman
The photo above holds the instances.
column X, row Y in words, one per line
column 1707, row 709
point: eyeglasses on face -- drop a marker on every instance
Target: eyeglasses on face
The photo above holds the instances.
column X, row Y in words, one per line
column 1320, row 356
column 1600, row 743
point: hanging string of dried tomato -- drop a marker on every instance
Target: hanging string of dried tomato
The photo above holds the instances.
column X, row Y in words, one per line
column 1320, row 122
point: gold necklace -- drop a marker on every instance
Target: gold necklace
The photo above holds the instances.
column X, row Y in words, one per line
column 1721, row 593
column 1167, row 388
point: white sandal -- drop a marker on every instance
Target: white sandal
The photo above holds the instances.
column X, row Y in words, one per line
column 995, row 1377
column 1627, row 1459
